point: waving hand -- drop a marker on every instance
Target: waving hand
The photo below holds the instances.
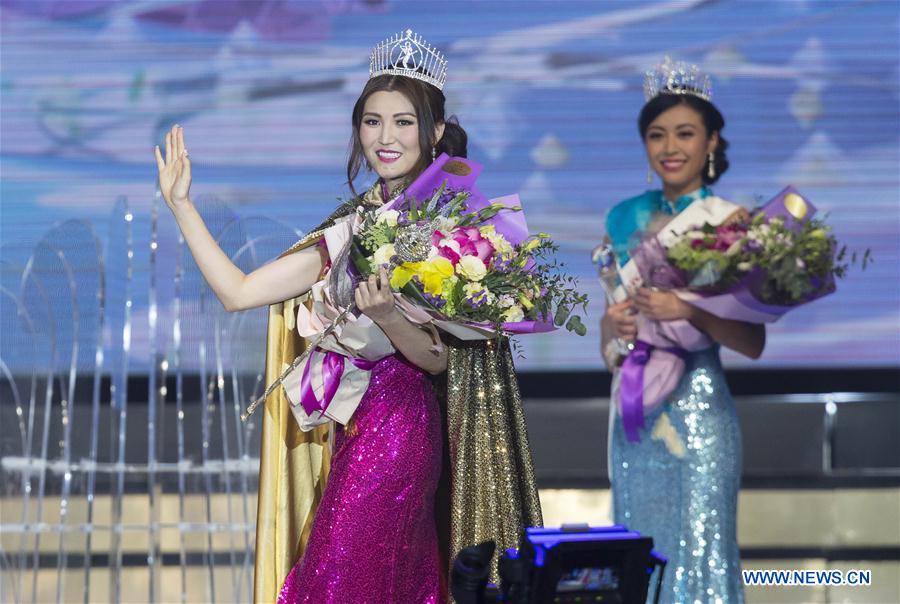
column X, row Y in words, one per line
column 174, row 169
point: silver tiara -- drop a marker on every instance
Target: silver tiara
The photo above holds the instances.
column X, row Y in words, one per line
column 408, row 54
column 676, row 77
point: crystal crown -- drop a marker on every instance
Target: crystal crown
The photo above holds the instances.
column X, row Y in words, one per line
column 676, row 77
column 408, row 54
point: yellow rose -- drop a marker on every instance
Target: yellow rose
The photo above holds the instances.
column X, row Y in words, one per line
column 471, row 268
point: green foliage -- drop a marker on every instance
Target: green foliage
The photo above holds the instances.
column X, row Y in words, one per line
column 376, row 235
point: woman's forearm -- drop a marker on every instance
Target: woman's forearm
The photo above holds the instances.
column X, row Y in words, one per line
column 279, row 280
column 223, row 277
column 748, row 339
column 415, row 343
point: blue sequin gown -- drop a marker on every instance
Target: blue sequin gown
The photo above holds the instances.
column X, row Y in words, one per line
column 680, row 483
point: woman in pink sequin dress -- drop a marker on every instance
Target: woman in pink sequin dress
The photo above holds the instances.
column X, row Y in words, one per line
column 374, row 536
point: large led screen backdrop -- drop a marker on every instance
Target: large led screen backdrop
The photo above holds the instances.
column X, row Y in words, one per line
column 548, row 92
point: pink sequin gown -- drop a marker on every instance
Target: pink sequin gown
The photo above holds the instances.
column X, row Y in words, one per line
column 374, row 537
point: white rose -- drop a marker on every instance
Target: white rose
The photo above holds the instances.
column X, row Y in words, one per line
column 389, row 217
column 505, row 301
column 384, row 254
column 471, row 268
column 513, row 314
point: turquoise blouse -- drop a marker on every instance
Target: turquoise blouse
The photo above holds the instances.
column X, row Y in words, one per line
column 630, row 217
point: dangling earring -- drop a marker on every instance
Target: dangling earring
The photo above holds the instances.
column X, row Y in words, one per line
column 433, row 153
column 649, row 176
column 711, row 171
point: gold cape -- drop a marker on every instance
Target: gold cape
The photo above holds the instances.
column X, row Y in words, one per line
column 487, row 489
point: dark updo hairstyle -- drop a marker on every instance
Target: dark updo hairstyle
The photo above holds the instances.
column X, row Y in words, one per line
column 428, row 102
column 712, row 120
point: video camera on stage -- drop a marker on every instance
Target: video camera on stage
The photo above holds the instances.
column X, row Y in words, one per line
column 559, row 565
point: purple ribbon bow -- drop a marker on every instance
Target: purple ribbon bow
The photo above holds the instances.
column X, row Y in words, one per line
column 332, row 371
column 631, row 386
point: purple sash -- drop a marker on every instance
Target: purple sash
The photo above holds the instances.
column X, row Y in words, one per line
column 631, row 386
column 332, row 370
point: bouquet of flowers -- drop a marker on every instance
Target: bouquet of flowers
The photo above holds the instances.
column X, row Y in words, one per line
column 473, row 272
column 780, row 260
column 730, row 263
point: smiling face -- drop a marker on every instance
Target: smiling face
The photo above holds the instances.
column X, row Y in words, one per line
column 677, row 148
column 389, row 136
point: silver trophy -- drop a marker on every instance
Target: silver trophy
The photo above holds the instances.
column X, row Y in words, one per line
column 605, row 258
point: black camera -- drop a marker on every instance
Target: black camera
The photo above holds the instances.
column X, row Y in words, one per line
column 574, row 563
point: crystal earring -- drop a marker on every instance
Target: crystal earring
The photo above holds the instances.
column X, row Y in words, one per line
column 649, row 176
column 433, row 153
column 711, row 171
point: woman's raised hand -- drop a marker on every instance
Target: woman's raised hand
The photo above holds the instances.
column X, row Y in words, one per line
column 174, row 169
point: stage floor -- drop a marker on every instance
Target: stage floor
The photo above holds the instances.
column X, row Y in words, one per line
column 813, row 529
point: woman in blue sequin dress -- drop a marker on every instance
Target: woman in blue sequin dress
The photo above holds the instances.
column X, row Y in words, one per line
column 679, row 483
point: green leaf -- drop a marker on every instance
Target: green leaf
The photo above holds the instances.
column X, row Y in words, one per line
column 562, row 313
column 359, row 259
column 432, row 203
column 413, row 292
column 574, row 324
